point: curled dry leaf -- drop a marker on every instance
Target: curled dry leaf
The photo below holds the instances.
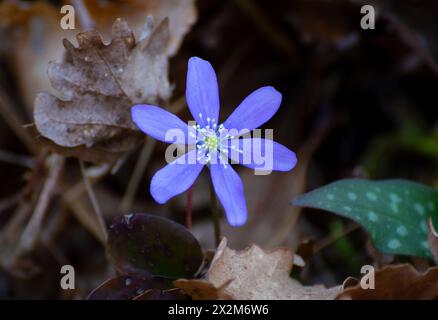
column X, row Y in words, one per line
column 256, row 274
column 397, row 282
column 34, row 35
column 199, row 289
column 99, row 84
column 181, row 13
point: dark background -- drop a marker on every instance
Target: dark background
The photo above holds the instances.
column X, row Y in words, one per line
column 356, row 103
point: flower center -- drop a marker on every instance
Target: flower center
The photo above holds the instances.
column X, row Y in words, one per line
column 209, row 139
column 211, row 142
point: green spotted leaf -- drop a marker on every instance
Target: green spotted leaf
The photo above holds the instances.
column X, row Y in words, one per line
column 394, row 212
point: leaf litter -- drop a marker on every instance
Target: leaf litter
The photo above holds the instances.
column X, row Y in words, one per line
column 99, row 83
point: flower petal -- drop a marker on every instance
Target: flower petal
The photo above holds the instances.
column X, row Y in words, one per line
column 161, row 124
column 255, row 109
column 229, row 189
column 202, row 91
column 175, row 178
column 261, row 154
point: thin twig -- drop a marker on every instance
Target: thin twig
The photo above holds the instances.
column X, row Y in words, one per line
column 15, row 122
column 31, row 232
column 332, row 239
column 9, row 202
column 11, row 230
column 137, row 174
column 300, row 177
column 178, row 105
column 16, row 159
column 85, row 217
column 277, row 36
column 71, row 195
column 93, row 199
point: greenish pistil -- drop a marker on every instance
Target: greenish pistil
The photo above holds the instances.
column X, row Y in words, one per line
column 209, row 140
column 212, row 143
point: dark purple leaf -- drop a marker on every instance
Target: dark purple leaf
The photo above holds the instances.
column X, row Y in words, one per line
column 142, row 242
column 127, row 287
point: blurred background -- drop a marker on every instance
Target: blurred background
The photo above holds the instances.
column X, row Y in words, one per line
column 356, row 103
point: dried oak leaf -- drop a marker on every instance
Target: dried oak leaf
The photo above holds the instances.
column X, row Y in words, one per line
column 256, row 274
column 397, row 282
column 99, row 84
column 199, row 289
column 181, row 13
column 32, row 32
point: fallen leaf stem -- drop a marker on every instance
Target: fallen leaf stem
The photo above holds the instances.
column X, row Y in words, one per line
column 137, row 175
column 32, row 230
column 93, row 199
column 15, row 122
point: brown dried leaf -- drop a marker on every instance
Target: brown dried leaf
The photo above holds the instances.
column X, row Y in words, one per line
column 99, row 84
column 200, row 289
column 256, row 274
column 34, row 35
column 397, row 282
column 181, row 13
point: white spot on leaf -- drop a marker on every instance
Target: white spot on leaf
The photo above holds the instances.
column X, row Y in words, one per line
column 402, row 230
column 372, row 196
column 394, row 198
column 419, row 208
column 352, row 196
column 394, row 244
column 372, row 216
column 423, row 226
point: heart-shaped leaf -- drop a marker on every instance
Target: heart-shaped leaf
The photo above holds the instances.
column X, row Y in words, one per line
column 394, row 212
column 142, row 242
column 128, row 287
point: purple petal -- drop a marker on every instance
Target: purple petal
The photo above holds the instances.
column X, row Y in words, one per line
column 229, row 189
column 261, row 154
column 161, row 124
column 175, row 178
column 202, row 91
column 255, row 109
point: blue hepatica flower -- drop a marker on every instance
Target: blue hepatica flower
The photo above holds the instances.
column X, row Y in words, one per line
column 211, row 143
